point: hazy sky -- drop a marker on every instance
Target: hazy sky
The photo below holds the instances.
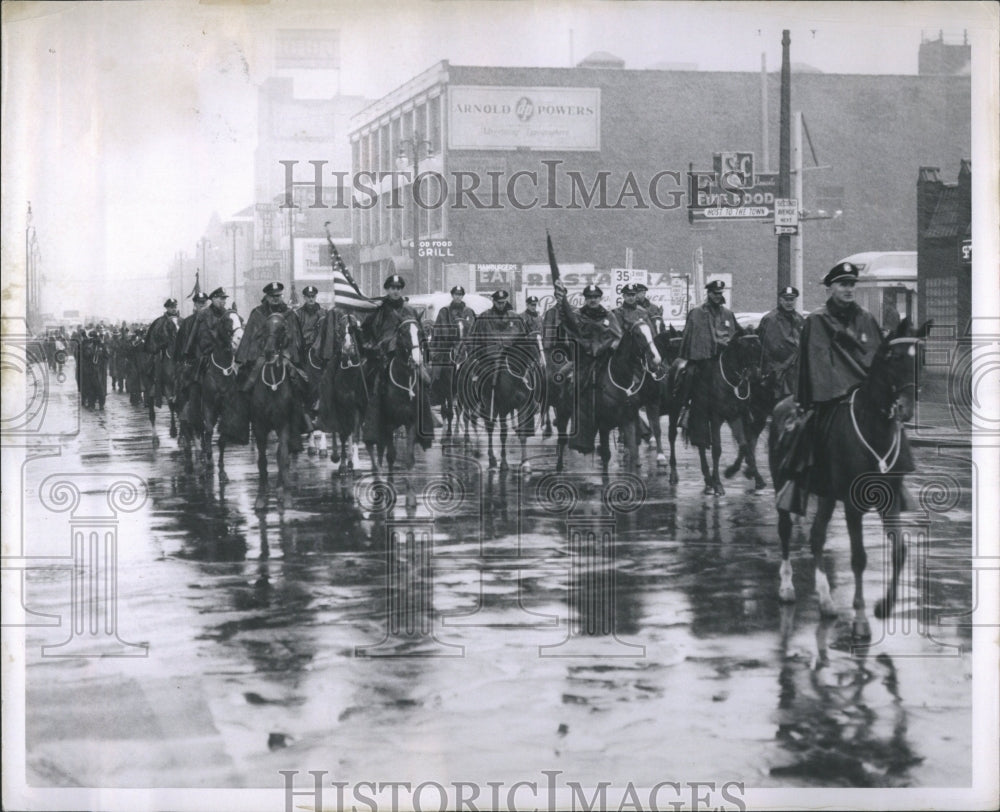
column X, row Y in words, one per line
column 128, row 123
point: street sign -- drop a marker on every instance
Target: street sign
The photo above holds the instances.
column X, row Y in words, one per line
column 786, row 212
column 780, row 230
column 711, row 202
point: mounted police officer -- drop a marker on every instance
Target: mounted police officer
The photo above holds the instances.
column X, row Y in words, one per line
column 838, row 344
column 160, row 339
column 630, row 311
column 596, row 331
column 185, row 371
column 495, row 329
column 654, row 310
column 707, row 332
column 202, row 336
column 532, row 318
column 446, row 326
column 378, row 336
column 780, row 331
column 249, row 353
column 308, row 318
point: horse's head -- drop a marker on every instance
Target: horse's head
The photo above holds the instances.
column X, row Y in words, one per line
column 896, row 365
column 642, row 334
column 233, row 325
column 408, row 341
column 347, row 329
column 746, row 354
column 275, row 336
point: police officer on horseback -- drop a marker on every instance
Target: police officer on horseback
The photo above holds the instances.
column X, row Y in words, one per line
column 308, row 317
column 250, row 352
column 780, row 331
column 201, row 338
column 186, row 371
column 707, row 332
column 532, row 318
column 497, row 328
column 654, row 310
column 596, row 331
column 378, row 335
column 838, row 344
column 446, row 326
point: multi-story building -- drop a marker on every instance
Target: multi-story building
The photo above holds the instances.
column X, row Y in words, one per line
column 600, row 157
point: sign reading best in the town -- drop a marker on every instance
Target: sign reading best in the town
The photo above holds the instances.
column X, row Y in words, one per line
column 562, row 118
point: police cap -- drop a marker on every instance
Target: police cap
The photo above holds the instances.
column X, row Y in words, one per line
column 310, row 290
column 500, row 296
column 531, row 300
column 458, row 290
column 843, row 270
column 789, row 292
column 592, row 290
column 273, row 288
column 716, row 286
column 200, row 298
column 218, row 293
column 628, row 290
column 394, row 281
column 170, row 303
column 639, row 287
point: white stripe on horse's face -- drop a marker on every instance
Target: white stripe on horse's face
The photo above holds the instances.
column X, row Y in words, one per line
column 348, row 340
column 647, row 333
column 415, row 343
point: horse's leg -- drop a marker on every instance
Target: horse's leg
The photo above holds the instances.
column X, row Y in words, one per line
column 731, row 470
column 630, row 439
column 223, row 476
column 817, row 540
column 653, row 413
column 283, row 456
column 786, row 590
column 706, row 472
column 503, row 444
column 860, row 630
column 716, row 454
column 489, row 434
column 751, row 435
column 152, row 423
column 260, row 437
column 173, row 418
column 605, row 449
column 672, row 439
column 884, row 605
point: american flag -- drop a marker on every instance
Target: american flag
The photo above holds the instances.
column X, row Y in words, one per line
column 347, row 298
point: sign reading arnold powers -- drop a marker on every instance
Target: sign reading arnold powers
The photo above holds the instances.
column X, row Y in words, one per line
column 558, row 118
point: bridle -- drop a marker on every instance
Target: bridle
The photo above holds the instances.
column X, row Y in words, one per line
column 744, row 378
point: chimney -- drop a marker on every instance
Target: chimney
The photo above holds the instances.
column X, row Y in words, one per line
column 929, row 187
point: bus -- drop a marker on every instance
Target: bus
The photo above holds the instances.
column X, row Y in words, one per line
column 887, row 285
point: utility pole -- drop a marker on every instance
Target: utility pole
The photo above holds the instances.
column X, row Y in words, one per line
column 411, row 147
column 784, row 169
column 797, row 195
column 234, row 229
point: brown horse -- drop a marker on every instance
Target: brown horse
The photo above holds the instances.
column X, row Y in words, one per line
column 857, row 454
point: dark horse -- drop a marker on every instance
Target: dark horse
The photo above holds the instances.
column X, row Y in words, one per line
column 855, row 454
column 501, row 382
column 274, row 406
column 720, row 395
column 343, row 395
column 450, row 343
column 400, row 392
column 160, row 372
column 618, row 377
column 656, row 395
column 221, row 400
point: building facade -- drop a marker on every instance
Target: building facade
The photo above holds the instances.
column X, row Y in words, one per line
column 600, row 157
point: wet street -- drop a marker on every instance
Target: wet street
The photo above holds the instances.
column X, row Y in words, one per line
column 618, row 629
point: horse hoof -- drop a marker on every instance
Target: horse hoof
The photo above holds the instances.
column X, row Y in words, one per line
column 880, row 610
column 503, row 465
column 674, row 479
column 861, row 630
column 661, row 461
column 719, row 490
column 526, row 468
column 223, row 479
column 709, row 491
column 260, row 503
column 156, row 441
column 493, row 462
column 759, row 484
column 546, row 433
column 730, row 472
column 827, row 609
column 786, row 594
column 173, row 431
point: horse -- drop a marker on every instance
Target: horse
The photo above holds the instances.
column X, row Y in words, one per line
column 620, row 374
column 160, row 372
column 274, row 406
column 217, row 395
column 501, row 382
column 656, row 394
column 400, row 390
column 92, row 373
column 857, row 448
column 135, row 363
column 315, row 370
column 344, row 395
column 720, row 395
column 443, row 391
column 759, row 406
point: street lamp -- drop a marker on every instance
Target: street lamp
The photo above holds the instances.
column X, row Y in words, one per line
column 234, row 229
column 291, row 209
column 412, row 147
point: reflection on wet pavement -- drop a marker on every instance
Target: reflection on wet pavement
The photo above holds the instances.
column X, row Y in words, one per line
column 619, row 630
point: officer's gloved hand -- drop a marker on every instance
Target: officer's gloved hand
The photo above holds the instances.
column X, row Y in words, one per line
column 681, row 363
column 559, row 289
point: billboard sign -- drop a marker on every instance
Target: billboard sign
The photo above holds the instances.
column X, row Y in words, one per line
column 308, row 48
column 713, row 199
column 508, row 118
column 496, row 276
